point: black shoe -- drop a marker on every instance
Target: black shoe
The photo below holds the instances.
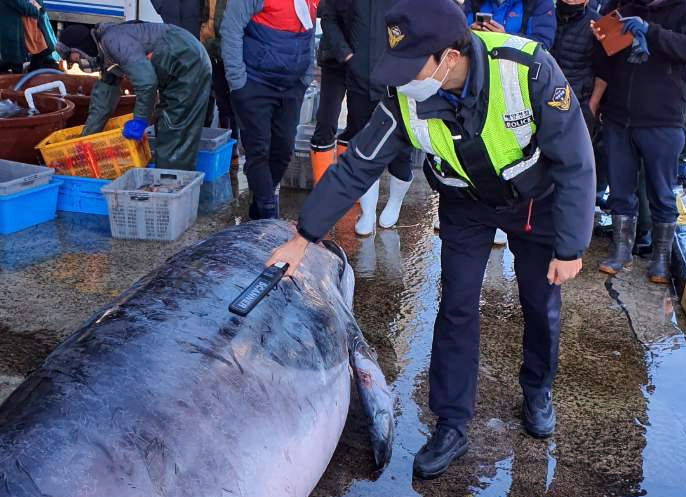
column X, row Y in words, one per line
column 538, row 415
column 446, row 445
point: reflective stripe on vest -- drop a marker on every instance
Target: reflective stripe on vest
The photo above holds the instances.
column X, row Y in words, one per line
column 508, row 127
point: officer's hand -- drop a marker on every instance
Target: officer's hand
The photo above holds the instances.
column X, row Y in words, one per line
column 562, row 271
column 477, row 26
column 597, row 32
column 291, row 252
column 493, row 27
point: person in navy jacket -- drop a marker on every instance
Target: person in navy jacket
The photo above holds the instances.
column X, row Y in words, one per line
column 268, row 52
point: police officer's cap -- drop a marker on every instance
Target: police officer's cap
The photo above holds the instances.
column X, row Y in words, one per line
column 415, row 30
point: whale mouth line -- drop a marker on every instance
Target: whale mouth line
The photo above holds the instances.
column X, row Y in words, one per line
column 335, row 249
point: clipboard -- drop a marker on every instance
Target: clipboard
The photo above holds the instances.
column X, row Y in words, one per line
column 615, row 40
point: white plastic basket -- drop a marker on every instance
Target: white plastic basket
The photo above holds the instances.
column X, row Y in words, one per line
column 298, row 176
column 137, row 214
column 16, row 176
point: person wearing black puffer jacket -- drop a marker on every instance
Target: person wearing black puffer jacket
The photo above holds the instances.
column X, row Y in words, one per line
column 333, row 49
column 360, row 48
column 573, row 50
column 643, row 108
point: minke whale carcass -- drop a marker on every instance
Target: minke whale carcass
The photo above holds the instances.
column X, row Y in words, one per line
column 166, row 393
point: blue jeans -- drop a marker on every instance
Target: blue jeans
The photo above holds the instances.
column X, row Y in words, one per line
column 659, row 148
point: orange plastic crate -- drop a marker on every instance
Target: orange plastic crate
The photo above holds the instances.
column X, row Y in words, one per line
column 105, row 155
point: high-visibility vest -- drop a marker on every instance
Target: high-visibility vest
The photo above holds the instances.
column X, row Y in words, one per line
column 509, row 125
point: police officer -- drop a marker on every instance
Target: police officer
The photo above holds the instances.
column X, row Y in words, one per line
column 508, row 148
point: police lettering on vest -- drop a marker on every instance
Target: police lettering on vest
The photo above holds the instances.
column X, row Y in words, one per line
column 509, row 125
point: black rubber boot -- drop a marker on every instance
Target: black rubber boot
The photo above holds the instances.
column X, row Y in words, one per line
column 446, row 445
column 644, row 242
column 538, row 415
column 623, row 236
column 663, row 237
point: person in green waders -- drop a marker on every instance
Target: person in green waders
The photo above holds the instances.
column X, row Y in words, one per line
column 159, row 60
column 507, row 148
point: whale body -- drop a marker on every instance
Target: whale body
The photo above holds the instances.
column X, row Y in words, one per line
column 164, row 392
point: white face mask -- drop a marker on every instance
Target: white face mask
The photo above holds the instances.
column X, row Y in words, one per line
column 423, row 89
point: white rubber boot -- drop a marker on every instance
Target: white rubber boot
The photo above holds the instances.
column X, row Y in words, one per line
column 366, row 225
column 391, row 213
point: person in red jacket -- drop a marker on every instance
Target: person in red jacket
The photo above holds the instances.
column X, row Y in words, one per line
column 268, row 52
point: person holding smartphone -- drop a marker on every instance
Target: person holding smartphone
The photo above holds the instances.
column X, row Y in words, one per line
column 533, row 19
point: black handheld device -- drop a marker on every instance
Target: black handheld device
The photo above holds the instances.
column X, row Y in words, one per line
column 258, row 289
column 484, row 17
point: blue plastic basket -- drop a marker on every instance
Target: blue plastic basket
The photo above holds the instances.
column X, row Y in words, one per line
column 215, row 163
column 28, row 208
column 82, row 195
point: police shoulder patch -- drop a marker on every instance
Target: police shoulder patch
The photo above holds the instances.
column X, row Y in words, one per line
column 561, row 99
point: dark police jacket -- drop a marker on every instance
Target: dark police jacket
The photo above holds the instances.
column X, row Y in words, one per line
column 567, row 165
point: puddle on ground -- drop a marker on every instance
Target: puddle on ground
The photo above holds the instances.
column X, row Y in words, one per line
column 653, row 314
column 419, row 304
column 499, row 484
column 665, row 394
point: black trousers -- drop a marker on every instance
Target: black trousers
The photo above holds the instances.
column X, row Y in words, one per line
column 222, row 96
column 268, row 121
column 330, row 101
column 360, row 109
column 467, row 230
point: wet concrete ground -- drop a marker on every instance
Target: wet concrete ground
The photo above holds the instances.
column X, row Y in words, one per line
column 620, row 392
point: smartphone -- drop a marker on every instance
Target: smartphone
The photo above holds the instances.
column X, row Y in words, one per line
column 484, row 17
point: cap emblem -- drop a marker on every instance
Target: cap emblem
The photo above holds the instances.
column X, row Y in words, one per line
column 395, row 36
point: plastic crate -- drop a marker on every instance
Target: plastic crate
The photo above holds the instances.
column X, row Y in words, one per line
column 28, row 208
column 305, row 132
column 298, row 176
column 308, row 110
column 215, row 163
column 210, row 138
column 213, row 138
column 82, row 195
column 105, row 155
column 216, row 195
column 17, row 176
column 144, row 215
